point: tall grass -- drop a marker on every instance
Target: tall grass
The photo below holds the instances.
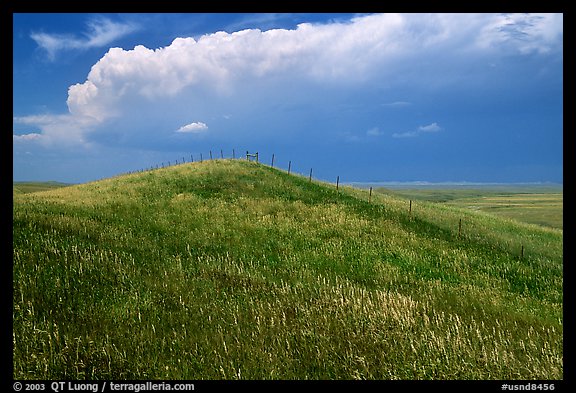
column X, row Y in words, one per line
column 234, row 270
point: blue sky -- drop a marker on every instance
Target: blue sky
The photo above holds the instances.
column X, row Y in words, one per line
column 367, row 97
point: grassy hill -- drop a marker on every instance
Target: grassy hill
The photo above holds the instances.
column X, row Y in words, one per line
column 228, row 269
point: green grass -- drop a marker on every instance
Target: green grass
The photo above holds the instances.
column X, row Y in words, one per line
column 21, row 187
column 539, row 205
column 228, row 269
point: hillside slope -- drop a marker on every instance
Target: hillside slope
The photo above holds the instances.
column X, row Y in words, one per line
column 228, row 269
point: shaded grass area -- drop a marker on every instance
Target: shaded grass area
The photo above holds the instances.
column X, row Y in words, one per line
column 233, row 270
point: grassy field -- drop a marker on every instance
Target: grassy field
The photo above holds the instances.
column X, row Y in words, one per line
column 26, row 187
column 539, row 205
column 228, row 269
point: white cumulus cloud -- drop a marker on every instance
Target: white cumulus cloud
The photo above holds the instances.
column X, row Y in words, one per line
column 222, row 63
column 56, row 130
column 143, row 87
column 196, row 127
column 335, row 53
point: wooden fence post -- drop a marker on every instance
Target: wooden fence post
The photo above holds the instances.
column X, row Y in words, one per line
column 233, row 154
column 210, row 154
column 310, row 177
column 272, row 160
column 370, row 196
column 337, row 181
column 410, row 209
column 289, row 164
column 191, row 158
column 201, row 159
column 221, row 154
